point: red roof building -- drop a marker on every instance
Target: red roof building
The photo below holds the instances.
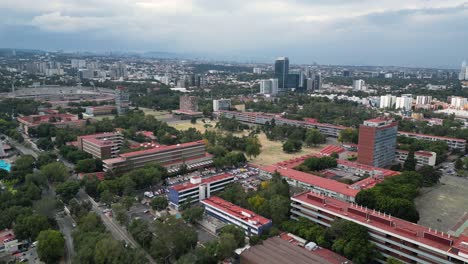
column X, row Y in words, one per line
column 101, row 146
column 252, row 223
column 393, row 237
column 57, row 120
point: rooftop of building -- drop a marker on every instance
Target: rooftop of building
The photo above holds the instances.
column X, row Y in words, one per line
column 100, row 139
column 6, row 235
column 188, row 185
column 431, row 136
column 50, row 118
column 279, row 251
column 396, row 226
column 330, row 149
column 102, row 107
column 159, row 148
column 98, row 175
column 418, row 153
column 236, row 211
column 314, row 180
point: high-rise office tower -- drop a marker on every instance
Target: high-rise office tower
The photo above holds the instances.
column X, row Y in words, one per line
column 122, row 99
column 377, row 142
column 317, row 82
column 282, row 71
column 463, row 72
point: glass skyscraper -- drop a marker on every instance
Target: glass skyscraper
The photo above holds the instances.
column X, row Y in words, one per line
column 281, row 72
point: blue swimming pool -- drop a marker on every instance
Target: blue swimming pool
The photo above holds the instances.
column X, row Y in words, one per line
column 5, row 165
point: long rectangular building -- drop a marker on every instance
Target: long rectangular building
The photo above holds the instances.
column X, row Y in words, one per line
column 253, row 224
column 169, row 156
column 452, row 143
column 263, row 118
column 198, row 189
column 101, row 146
column 393, row 237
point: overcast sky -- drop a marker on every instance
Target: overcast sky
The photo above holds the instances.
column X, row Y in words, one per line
column 430, row 33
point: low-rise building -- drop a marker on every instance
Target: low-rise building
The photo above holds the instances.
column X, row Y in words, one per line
column 221, row 104
column 423, row 158
column 253, row 224
column 393, row 237
column 57, row 120
column 100, row 110
column 198, row 189
column 101, row 146
column 8, row 241
column 191, row 153
column 453, row 143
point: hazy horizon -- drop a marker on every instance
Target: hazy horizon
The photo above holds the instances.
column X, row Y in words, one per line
column 419, row 33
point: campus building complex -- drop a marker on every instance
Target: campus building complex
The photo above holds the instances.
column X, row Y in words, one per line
column 101, row 146
column 198, row 189
column 192, row 154
column 453, row 143
column 393, row 237
column 252, row 223
column 327, row 186
column 100, row 110
column 263, row 118
column 57, row 120
column 377, row 142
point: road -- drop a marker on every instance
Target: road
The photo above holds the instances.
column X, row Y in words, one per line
column 117, row 231
column 24, row 150
column 65, row 224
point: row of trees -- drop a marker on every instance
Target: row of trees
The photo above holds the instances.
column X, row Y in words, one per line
column 318, row 163
column 394, row 196
column 344, row 237
column 230, row 124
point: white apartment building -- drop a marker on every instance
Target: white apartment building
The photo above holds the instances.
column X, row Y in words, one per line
column 359, row 85
column 458, row 102
column 404, row 102
column 387, row 101
column 269, row 86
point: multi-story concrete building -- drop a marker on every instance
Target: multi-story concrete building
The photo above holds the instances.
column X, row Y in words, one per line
column 269, row 86
column 453, row 143
column 263, row 118
column 423, row 158
column 359, row 85
column 122, row 99
column 387, row 101
column 423, row 99
column 393, row 237
column 221, row 104
column 188, row 103
column 101, row 146
column 405, row 102
column 100, row 110
column 192, row 154
column 377, row 142
column 198, row 189
column 9, row 243
column 458, row 102
column 253, row 224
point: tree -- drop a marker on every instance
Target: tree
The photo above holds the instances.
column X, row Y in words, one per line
column 55, row 172
column 410, row 162
column 459, row 164
column 237, row 233
column 29, row 227
column 226, row 245
column 107, row 197
column 430, row 175
column 349, row 135
column 51, row 246
column 45, row 144
column 193, row 214
column 86, row 165
column 120, row 213
column 291, row 146
column 159, row 203
column 253, row 147
column 67, row 190
column 45, row 158
column 393, row 261
column 314, row 137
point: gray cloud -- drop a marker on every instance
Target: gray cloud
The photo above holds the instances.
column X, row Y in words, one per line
column 418, row 32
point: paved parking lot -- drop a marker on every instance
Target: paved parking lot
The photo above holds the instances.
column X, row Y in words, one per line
column 441, row 206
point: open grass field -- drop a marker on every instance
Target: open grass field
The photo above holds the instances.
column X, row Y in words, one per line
column 272, row 151
column 157, row 114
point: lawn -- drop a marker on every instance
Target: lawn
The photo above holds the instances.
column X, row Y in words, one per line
column 272, row 151
column 155, row 113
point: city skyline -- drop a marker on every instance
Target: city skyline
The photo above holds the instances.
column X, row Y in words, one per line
column 336, row 32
